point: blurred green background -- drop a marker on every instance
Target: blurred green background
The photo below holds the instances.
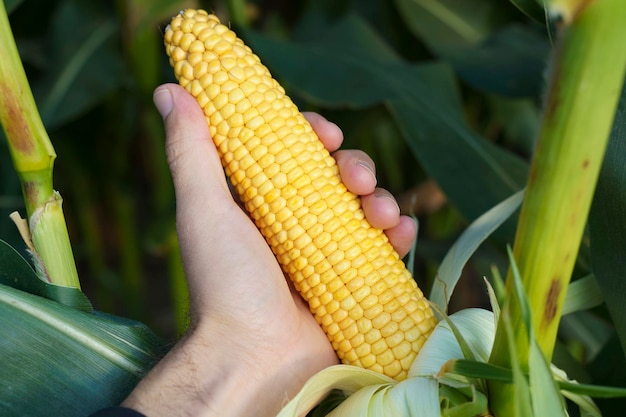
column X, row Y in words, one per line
column 444, row 95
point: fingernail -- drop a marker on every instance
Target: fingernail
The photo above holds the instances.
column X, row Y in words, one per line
column 390, row 198
column 163, row 101
column 369, row 169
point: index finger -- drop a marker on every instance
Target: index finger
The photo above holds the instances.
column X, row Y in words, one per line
column 329, row 133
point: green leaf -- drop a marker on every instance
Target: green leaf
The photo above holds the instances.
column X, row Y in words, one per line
column 511, row 62
column 543, row 390
column 476, row 406
column 11, row 5
column 521, row 405
column 16, row 272
column 482, row 370
column 582, row 294
column 587, row 330
column 607, row 224
column 83, row 65
column 518, row 292
column 532, row 8
column 593, row 390
column 72, row 362
column 466, row 33
column 447, row 24
column 459, row 254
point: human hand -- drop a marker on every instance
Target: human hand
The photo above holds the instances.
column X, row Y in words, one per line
column 252, row 341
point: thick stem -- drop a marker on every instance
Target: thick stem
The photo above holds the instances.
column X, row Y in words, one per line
column 33, row 158
column 31, row 150
column 587, row 74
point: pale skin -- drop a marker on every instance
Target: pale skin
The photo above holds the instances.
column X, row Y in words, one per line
column 252, row 342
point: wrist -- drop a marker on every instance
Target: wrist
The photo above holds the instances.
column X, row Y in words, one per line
column 208, row 374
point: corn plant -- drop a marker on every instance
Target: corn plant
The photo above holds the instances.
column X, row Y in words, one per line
column 502, row 106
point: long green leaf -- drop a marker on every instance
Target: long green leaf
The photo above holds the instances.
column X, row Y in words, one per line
column 16, row 272
column 582, row 294
column 83, row 65
column 543, row 389
column 12, row 5
column 58, row 361
column 531, row 8
column 501, row 59
column 473, row 369
column 607, row 224
column 447, row 24
column 459, row 254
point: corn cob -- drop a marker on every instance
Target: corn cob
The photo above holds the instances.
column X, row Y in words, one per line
column 356, row 285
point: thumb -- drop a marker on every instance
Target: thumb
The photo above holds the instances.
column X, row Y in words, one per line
column 214, row 233
column 204, row 205
column 192, row 157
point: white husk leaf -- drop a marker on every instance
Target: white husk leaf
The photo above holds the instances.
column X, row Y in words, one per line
column 373, row 394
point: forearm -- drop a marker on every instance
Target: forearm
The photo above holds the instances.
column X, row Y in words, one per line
column 208, row 375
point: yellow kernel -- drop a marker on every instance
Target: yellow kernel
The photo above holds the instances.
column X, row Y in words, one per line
column 235, row 120
column 280, row 181
column 222, row 128
column 339, row 315
column 247, row 86
column 356, row 312
column 229, row 63
column 302, row 241
column 341, row 294
column 364, row 325
column 368, row 361
column 342, row 266
column 373, row 312
column 332, row 306
column 228, row 110
column 385, row 357
column 236, row 95
column 242, row 105
column 360, row 294
column 220, row 101
column 402, row 349
column 255, row 123
column 196, row 47
column 370, row 302
column 378, row 348
column 228, row 86
column 195, row 59
column 295, row 232
column 394, row 369
column 386, row 326
column 195, row 88
column 213, row 60
column 200, row 69
column 211, row 41
column 373, row 336
column 295, row 202
column 220, row 77
column 408, row 359
column 186, row 41
column 221, row 47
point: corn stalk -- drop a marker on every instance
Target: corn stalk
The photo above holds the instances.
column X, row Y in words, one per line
column 587, row 73
column 33, row 156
